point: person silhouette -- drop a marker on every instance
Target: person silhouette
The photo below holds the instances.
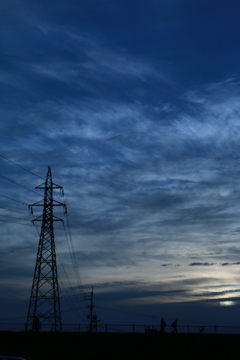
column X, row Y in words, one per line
column 162, row 325
column 36, row 324
column 174, row 326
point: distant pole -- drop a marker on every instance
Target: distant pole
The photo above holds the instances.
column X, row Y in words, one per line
column 44, row 305
column 92, row 318
column 91, row 311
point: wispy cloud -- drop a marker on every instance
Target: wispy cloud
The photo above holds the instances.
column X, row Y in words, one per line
column 93, row 60
column 201, row 264
column 227, row 263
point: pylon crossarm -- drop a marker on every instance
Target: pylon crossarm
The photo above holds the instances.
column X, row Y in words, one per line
column 40, row 218
column 38, row 203
column 55, row 218
column 57, row 203
column 52, row 186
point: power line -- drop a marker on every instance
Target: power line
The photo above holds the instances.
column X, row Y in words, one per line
column 73, row 255
column 13, row 222
column 21, row 185
column 71, row 304
column 20, row 212
column 21, row 167
column 7, row 197
column 74, row 260
column 68, row 296
column 16, row 318
column 11, row 217
column 125, row 312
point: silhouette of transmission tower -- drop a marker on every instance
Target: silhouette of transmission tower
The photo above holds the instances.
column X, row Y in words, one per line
column 44, row 307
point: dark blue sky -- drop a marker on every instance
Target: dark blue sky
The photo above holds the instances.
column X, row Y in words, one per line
column 135, row 107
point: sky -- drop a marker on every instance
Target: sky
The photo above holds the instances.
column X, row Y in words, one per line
column 135, row 107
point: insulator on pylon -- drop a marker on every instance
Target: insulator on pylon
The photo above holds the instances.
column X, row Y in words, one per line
column 30, row 209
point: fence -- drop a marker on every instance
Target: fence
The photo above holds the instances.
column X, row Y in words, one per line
column 184, row 329
column 131, row 328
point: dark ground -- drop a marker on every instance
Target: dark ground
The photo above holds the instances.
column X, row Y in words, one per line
column 76, row 346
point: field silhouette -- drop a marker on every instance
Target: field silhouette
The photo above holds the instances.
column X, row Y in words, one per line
column 76, row 346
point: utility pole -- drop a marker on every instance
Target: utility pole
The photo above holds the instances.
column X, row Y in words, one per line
column 44, row 306
column 92, row 318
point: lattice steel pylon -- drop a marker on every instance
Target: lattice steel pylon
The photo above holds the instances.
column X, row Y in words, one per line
column 44, row 307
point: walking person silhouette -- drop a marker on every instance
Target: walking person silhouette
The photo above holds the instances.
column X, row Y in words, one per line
column 174, row 326
column 162, row 325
